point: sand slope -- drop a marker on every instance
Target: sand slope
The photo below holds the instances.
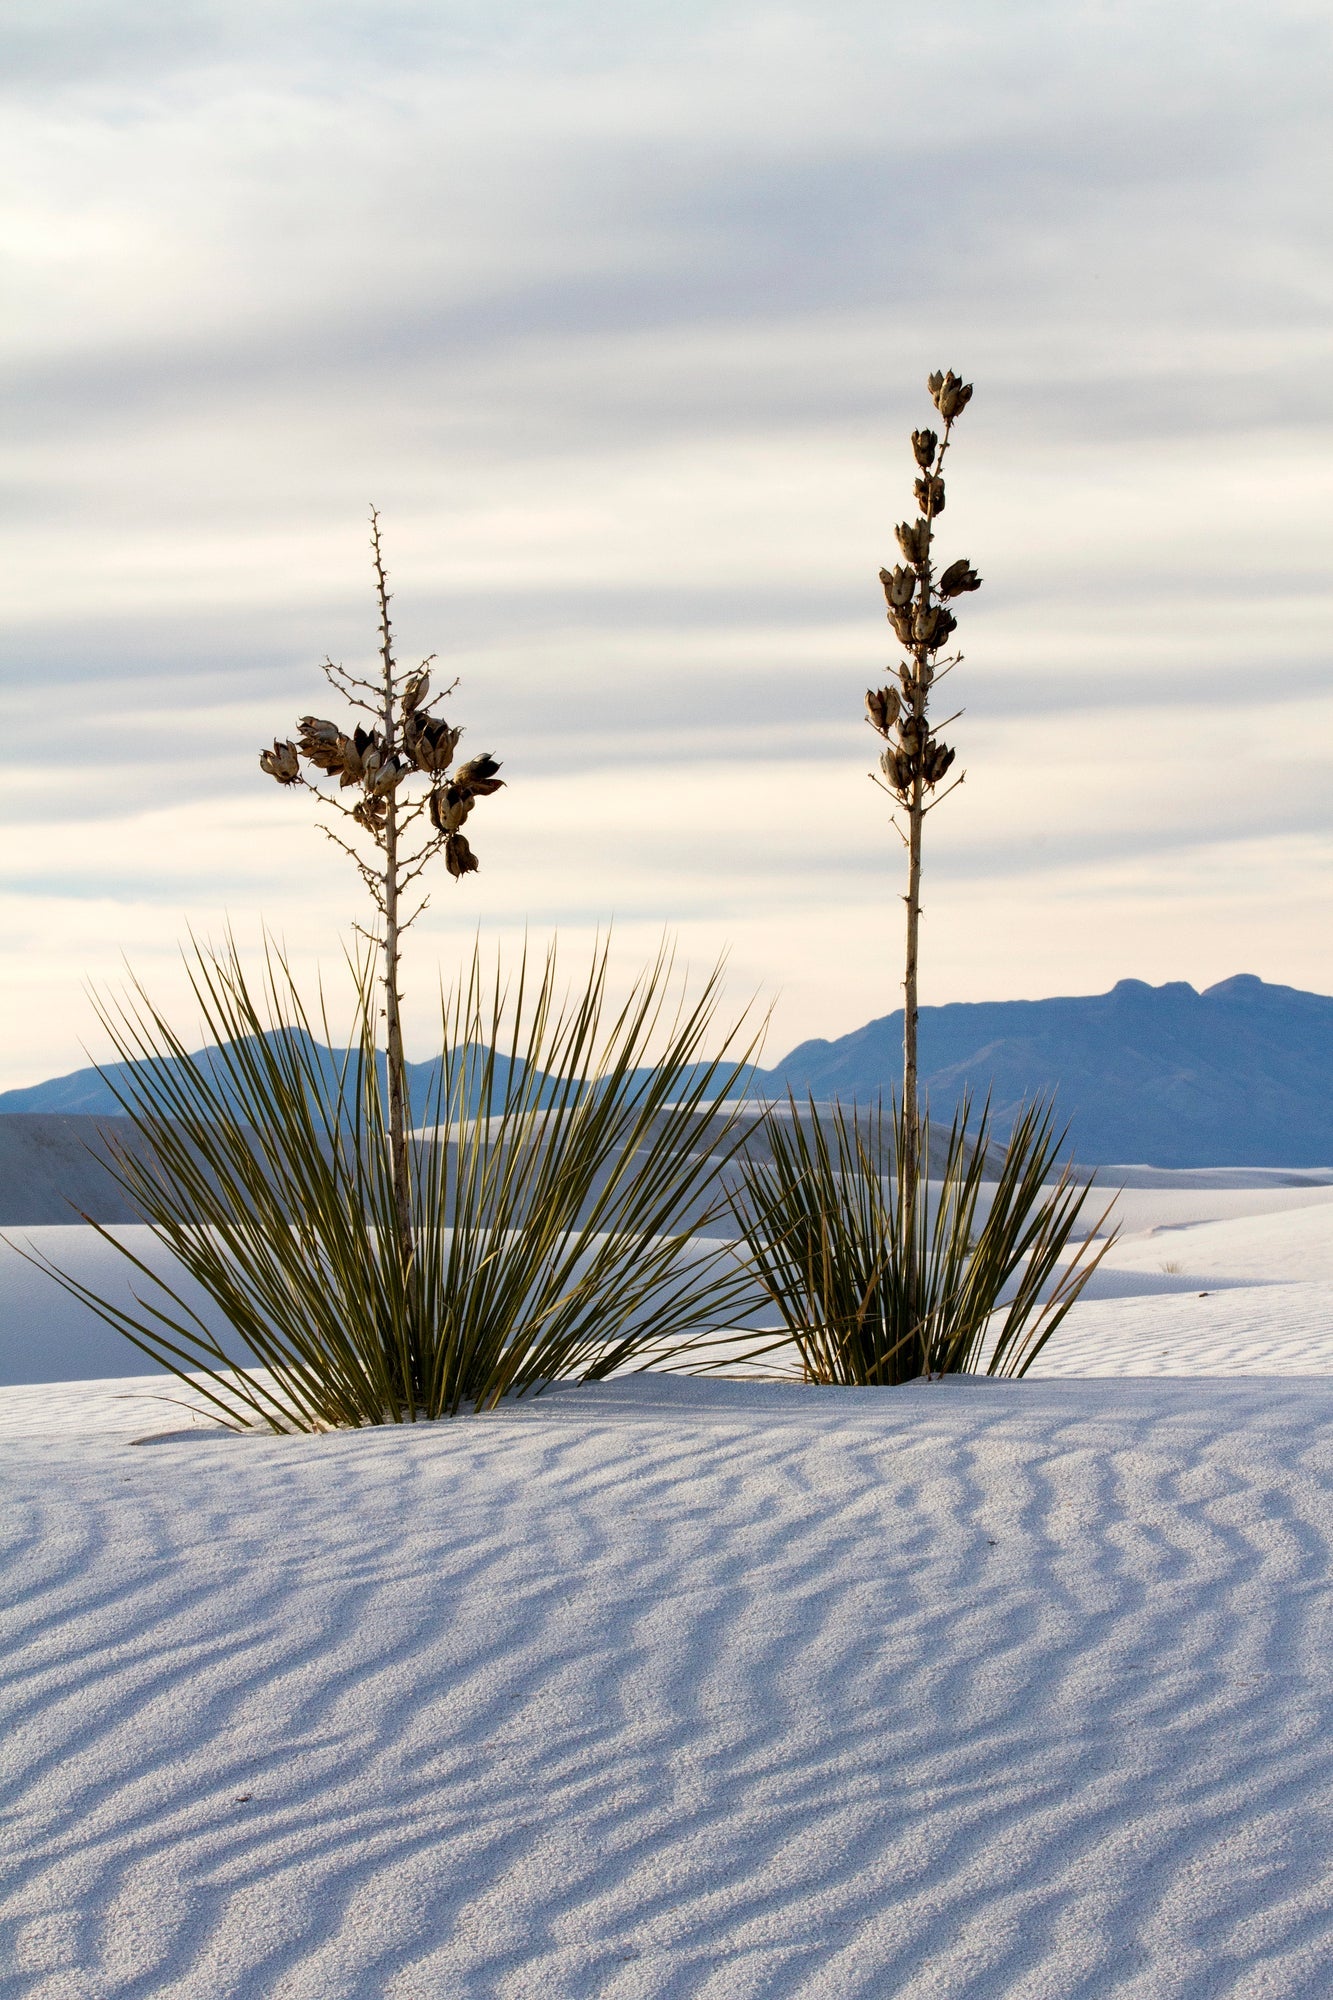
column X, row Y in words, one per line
column 1259, row 1243
column 669, row 1688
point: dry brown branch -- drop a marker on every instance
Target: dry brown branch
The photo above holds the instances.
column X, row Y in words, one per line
column 406, row 743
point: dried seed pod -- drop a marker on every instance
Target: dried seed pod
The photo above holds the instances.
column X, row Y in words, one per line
column 433, row 744
column 449, row 808
column 897, row 770
column 949, row 393
column 954, row 398
column 371, row 814
column 899, row 584
column 354, row 750
column 957, row 578
column 416, row 691
column 930, row 496
column 389, row 773
column 281, row 763
column 910, row 734
column 938, row 758
column 321, row 743
column 925, row 621
column 901, row 621
column 914, row 540
column 924, row 446
column 458, row 856
column 882, row 705
column 478, row 776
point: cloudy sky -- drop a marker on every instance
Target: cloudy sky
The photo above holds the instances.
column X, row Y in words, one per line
column 620, row 315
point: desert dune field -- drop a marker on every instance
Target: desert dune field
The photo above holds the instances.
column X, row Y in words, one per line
column 687, row 1686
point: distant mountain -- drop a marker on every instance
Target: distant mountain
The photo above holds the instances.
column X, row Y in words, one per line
column 1239, row 1075
column 89, row 1092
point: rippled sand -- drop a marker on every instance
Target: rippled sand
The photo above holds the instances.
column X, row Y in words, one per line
column 670, row 1688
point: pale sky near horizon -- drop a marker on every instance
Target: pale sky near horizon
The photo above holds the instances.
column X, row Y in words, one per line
column 621, row 316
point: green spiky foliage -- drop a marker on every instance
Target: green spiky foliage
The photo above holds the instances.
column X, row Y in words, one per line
column 558, row 1175
column 876, row 1287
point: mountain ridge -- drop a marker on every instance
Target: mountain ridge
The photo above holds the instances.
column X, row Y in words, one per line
column 1238, row 1074
column 1241, row 1073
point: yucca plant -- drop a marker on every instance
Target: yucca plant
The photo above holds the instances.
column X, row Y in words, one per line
column 568, row 1153
column 915, row 760
column 874, row 1287
column 879, row 1274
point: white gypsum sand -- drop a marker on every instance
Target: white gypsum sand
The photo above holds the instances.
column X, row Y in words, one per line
column 1201, row 1282
column 964, row 1691
column 1259, row 1241
column 670, row 1688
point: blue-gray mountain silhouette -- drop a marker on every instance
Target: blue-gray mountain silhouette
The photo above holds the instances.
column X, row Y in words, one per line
column 1238, row 1075
column 94, row 1092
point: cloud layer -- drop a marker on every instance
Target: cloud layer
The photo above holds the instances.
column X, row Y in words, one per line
column 620, row 317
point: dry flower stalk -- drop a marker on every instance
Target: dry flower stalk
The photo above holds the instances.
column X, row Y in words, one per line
column 915, row 761
column 378, row 765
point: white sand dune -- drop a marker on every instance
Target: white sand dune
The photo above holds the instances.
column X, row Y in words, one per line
column 669, row 1688
column 47, row 1336
column 1228, row 1231
column 1251, row 1293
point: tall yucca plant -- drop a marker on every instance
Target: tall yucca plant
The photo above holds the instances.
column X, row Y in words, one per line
column 569, row 1152
column 878, row 1275
column 916, row 760
column 876, row 1288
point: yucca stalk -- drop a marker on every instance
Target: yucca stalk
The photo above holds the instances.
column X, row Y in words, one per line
column 570, row 1153
column 405, row 741
column 875, row 1287
column 915, row 761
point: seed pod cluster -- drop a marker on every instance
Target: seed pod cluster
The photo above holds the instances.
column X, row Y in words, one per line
column 899, row 585
column 360, row 757
column 957, row 578
column 429, row 741
column 458, row 857
column 949, row 393
column 281, row 762
column 450, row 805
column 914, row 541
column 882, row 706
column 914, row 761
column 930, row 496
column 915, row 756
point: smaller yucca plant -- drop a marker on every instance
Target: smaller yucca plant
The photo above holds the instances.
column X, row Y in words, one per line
column 879, row 1279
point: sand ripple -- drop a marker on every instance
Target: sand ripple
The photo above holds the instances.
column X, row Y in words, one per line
column 675, row 1689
